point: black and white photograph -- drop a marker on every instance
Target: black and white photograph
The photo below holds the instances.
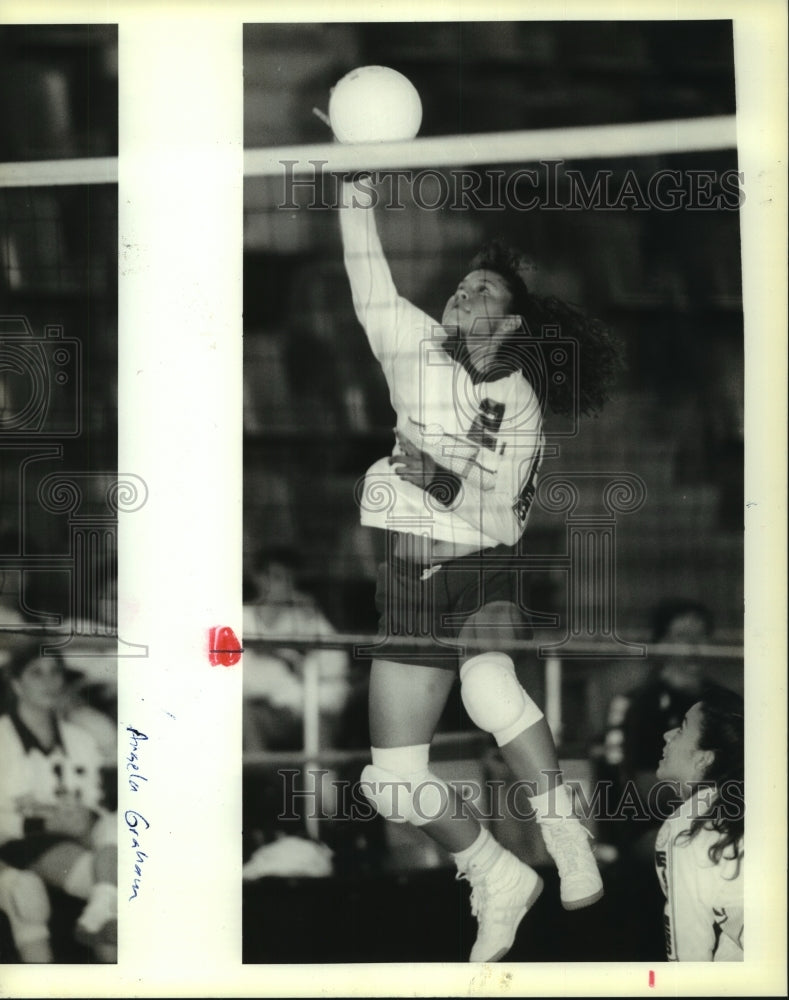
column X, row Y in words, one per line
column 59, row 499
column 493, row 493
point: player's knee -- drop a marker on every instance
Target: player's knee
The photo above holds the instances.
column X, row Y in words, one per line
column 494, row 698
column 501, row 614
column 25, row 900
column 405, row 791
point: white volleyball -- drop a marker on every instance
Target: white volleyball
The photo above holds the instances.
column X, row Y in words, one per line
column 374, row 104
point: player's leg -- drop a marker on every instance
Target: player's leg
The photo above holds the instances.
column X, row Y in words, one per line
column 406, row 702
column 24, row 899
column 90, row 875
column 497, row 703
column 497, row 698
column 98, row 923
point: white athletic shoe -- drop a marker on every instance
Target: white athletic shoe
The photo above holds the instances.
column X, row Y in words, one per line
column 567, row 841
column 500, row 898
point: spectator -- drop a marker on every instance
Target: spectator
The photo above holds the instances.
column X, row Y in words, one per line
column 53, row 822
column 274, row 678
column 637, row 720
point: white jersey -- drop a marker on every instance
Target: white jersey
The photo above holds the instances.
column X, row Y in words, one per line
column 703, row 917
column 72, row 767
column 489, row 435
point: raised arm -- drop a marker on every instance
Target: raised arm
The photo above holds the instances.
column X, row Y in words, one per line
column 378, row 306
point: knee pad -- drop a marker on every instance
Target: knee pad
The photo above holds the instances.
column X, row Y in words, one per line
column 494, row 699
column 401, row 787
column 25, row 901
column 80, row 878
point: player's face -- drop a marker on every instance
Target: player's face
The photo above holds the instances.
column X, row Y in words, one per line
column 40, row 685
column 275, row 584
column 480, row 311
column 682, row 759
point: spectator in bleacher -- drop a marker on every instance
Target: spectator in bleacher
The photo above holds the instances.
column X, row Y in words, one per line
column 638, row 719
column 274, row 678
column 53, row 821
column 90, row 695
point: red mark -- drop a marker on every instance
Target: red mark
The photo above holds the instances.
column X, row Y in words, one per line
column 224, row 649
column 651, row 977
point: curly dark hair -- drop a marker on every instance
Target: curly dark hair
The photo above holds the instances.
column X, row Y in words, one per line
column 20, row 652
column 599, row 356
column 722, row 732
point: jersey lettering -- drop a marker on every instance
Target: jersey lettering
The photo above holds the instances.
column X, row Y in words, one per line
column 486, row 424
column 526, row 496
column 669, row 940
column 660, row 864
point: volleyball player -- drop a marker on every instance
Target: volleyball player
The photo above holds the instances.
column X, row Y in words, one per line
column 54, row 830
column 468, row 447
column 699, row 851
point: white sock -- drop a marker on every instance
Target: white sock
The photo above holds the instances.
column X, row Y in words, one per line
column 483, row 853
column 555, row 804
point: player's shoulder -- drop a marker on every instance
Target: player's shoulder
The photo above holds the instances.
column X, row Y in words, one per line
column 521, row 388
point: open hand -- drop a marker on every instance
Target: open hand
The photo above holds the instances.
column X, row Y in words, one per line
column 414, row 466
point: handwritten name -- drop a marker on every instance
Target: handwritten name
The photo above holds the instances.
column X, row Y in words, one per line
column 132, row 760
column 133, row 820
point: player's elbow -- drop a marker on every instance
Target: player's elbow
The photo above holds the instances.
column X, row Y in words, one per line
column 507, row 531
column 511, row 538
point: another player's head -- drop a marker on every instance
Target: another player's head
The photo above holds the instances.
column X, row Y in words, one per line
column 682, row 622
column 275, row 570
column 708, row 748
column 494, row 321
column 36, row 681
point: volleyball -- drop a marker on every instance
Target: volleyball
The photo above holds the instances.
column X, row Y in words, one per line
column 374, row 104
